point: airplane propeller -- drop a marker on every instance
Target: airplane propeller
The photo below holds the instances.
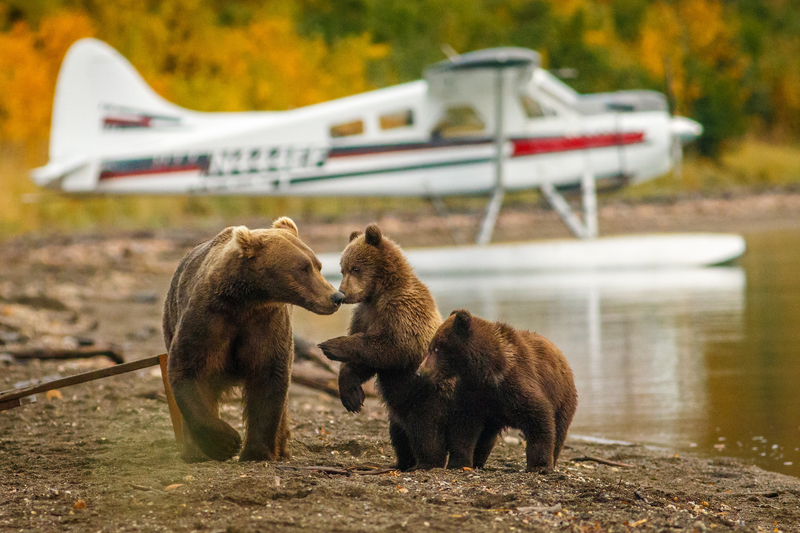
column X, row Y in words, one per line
column 682, row 130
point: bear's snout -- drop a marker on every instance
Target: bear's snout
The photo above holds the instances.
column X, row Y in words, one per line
column 426, row 369
column 337, row 298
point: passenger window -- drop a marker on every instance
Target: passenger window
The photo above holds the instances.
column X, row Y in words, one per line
column 401, row 119
column 355, row 127
column 458, row 121
column 531, row 106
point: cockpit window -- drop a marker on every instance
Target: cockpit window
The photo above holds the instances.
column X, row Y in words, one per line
column 400, row 119
column 458, row 121
column 531, row 106
column 355, row 127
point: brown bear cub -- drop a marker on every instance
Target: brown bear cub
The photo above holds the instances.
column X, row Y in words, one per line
column 508, row 378
column 390, row 330
column 227, row 321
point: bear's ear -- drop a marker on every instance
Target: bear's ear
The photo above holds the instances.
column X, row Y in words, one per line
column 355, row 235
column 461, row 322
column 374, row 235
column 245, row 241
column 285, row 223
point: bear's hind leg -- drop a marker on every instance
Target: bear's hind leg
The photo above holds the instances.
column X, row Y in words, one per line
column 266, row 416
column 540, row 434
column 282, row 440
column 562, row 425
column 198, row 404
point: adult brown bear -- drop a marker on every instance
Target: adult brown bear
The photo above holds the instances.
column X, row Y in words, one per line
column 389, row 333
column 506, row 378
column 227, row 321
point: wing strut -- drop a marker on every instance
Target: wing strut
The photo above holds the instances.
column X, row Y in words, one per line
column 493, row 209
column 586, row 229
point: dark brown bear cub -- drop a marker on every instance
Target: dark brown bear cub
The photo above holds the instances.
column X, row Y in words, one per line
column 227, row 321
column 514, row 379
column 390, row 329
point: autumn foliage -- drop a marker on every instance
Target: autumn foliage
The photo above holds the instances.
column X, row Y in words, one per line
column 186, row 49
column 732, row 65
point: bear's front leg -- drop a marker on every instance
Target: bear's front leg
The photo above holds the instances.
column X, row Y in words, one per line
column 462, row 434
column 266, row 416
column 198, row 404
column 402, row 447
column 427, row 440
column 336, row 349
column 351, row 376
column 485, row 446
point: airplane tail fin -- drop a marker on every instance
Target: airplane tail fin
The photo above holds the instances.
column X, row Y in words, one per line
column 97, row 90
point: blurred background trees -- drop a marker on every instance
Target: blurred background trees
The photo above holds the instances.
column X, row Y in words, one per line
column 733, row 65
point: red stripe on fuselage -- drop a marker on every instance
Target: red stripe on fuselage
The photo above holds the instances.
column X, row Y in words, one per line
column 549, row 145
column 522, row 146
column 112, row 174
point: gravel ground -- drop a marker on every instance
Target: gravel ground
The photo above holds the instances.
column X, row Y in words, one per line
column 101, row 455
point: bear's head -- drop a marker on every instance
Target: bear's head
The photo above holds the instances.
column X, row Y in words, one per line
column 274, row 265
column 371, row 263
column 464, row 346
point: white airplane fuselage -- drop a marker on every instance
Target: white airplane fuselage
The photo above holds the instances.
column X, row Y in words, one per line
column 433, row 137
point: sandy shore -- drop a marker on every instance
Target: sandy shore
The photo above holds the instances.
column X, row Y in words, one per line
column 109, row 444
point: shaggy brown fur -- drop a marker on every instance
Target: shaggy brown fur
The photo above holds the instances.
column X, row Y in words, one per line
column 227, row 321
column 391, row 327
column 507, row 378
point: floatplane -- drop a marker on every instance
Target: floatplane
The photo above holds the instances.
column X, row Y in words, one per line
column 484, row 122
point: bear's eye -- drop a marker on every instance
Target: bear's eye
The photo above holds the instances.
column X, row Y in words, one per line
column 436, row 350
column 354, row 270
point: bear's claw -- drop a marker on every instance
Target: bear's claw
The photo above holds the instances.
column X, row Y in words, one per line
column 352, row 398
column 543, row 470
column 332, row 351
column 250, row 454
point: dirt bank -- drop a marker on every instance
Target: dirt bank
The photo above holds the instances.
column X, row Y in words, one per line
column 108, row 445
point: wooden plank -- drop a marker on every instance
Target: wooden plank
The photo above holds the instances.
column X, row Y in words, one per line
column 17, row 402
column 78, row 378
column 174, row 412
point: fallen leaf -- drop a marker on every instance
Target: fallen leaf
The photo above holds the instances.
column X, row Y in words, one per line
column 55, row 393
column 80, row 504
column 639, row 522
column 466, row 469
column 401, row 489
column 173, row 486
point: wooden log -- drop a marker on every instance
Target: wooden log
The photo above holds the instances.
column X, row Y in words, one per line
column 62, row 353
column 599, row 460
column 335, row 470
column 304, row 349
column 328, row 385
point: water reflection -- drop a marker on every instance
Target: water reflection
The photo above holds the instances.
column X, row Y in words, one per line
column 670, row 357
column 635, row 339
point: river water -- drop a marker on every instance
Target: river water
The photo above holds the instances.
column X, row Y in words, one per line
column 704, row 360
